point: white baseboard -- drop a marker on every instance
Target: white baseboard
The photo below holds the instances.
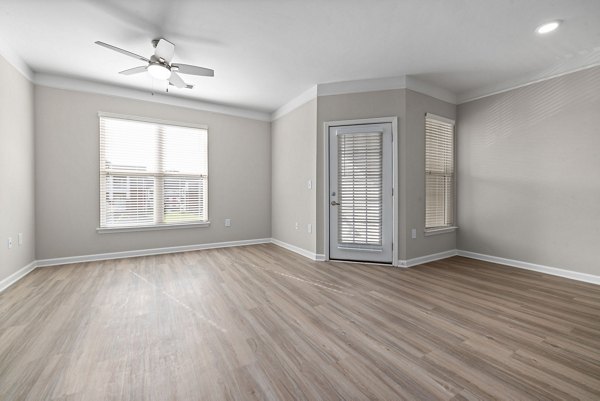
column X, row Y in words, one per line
column 427, row 258
column 555, row 271
column 18, row 275
column 148, row 252
column 298, row 250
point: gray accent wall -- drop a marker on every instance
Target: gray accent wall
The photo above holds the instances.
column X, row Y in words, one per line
column 412, row 172
column 410, row 108
column 529, row 173
column 351, row 106
column 293, row 155
column 16, row 170
column 67, row 177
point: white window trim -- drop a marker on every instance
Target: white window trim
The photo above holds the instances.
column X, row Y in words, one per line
column 151, row 120
column 109, row 230
column 153, row 227
column 444, row 230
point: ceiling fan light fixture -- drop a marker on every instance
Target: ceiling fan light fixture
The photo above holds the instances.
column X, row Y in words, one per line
column 159, row 71
column 548, row 27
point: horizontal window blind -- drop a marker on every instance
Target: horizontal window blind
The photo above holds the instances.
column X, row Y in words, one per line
column 439, row 172
column 360, row 186
column 152, row 173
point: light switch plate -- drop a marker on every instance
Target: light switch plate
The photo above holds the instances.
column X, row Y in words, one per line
column 227, row 222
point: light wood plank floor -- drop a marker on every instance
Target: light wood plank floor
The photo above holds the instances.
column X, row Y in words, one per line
column 259, row 322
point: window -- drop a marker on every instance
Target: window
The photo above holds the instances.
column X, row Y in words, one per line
column 152, row 173
column 439, row 173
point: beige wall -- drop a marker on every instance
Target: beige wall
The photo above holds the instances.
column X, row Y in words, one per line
column 412, row 171
column 67, row 193
column 293, row 154
column 528, row 173
column 16, row 170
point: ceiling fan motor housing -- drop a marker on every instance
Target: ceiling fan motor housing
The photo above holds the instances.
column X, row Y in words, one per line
column 159, row 60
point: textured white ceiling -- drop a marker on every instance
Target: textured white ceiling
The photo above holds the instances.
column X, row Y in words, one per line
column 266, row 52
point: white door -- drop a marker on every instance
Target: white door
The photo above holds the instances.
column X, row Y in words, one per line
column 360, row 192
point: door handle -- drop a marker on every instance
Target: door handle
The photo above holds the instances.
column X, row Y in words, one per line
column 334, row 203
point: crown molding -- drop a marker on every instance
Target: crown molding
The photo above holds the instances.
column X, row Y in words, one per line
column 531, row 79
column 296, row 102
column 379, row 84
column 362, row 85
column 570, row 66
column 365, row 85
column 426, row 88
column 13, row 58
column 81, row 85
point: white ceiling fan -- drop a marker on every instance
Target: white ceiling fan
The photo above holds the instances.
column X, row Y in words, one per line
column 159, row 64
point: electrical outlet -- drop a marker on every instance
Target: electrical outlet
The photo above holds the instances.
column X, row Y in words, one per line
column 297, row 226
column 309, row 184
column 227, row 222
column 9, row 242
column 20, row 239
column 413, row 233
column 309, row 227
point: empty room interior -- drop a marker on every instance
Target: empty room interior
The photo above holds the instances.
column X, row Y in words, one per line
column 299, row 200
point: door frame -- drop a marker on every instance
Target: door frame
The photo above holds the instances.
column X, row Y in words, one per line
column 395, row 194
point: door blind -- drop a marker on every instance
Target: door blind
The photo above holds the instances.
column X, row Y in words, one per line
column 152, row 173
column 360, row 186
column 439, row 172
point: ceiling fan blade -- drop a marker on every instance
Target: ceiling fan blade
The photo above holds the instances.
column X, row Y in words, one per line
column 165, row 50
column 134, row 70
column 176, row 80
column 125, row 52
column 188, row 86
column 194, row 70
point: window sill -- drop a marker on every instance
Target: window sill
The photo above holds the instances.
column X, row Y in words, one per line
column 436, row 231
column 108, row 230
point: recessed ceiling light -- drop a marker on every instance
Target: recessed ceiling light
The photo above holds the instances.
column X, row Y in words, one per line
column 548, row 27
